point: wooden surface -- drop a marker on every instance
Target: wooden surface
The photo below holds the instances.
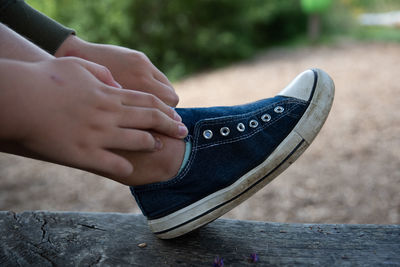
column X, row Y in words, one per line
column 90, row 239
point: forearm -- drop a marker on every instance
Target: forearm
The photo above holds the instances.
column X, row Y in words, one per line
column 35, row 26
column 14, row 46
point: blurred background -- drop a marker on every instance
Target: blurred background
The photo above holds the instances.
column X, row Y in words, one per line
column 228, row 52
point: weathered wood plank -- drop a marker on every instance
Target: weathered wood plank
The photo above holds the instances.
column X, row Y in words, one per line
column 86, row 239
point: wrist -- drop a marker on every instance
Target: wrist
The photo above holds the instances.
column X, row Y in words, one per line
column 73, row 46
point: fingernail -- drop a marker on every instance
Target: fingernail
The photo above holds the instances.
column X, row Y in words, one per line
column 158, row 144
column 177, row 117
column 117, row 85
column 182, row 130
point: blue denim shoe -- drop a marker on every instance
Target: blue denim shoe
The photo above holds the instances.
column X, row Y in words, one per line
column 235, row 152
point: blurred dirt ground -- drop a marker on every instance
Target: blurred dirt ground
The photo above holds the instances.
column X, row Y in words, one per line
column 350, row 174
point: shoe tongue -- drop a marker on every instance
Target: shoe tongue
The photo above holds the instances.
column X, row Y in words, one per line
column 190, row 116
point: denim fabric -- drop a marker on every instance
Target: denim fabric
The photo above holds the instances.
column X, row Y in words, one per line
column 218, row 162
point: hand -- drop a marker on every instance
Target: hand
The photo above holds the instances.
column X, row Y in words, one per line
column 69, row 111
column 132, row 69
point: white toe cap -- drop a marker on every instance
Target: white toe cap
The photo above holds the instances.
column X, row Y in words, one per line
column 301, row 87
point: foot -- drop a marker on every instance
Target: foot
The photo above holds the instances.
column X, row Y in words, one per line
column 235, row 152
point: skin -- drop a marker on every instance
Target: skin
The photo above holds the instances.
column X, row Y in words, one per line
column 131, row 68
column 72, row 112
column 157, row 166
column 16, row 47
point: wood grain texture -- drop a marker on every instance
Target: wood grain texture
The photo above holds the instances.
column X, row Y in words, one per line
column 104, row 239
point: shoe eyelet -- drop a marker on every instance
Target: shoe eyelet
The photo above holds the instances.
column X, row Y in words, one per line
column 224, row 131
column 240, row 127
column 253, row 123
column 279, row 109
column 208, row 134
column 266, row 117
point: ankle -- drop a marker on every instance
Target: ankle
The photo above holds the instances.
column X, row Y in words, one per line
column 159, row 166
column 167, row 161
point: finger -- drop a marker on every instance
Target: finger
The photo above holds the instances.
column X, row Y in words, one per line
column 166, row 93
column 162, row 91
column 141, row 99
column 151, row 119
column 153, row 86
column 104, row 161
column 158, row 75
column 133, row 140
column 102, row 73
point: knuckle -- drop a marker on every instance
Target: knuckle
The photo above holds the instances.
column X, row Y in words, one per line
column 153, row 100
column 85, row 145
column 143, row 81
column 107, row 102
column 146, row 140
column 142, row 57
column 155, row 116
column 170, row 113
column 68, row 61
column 96, row 126
column 173, row 99
column 137, row 57
column 82, row 145
column 173, row 128
column 72, row 60
column 105, row 70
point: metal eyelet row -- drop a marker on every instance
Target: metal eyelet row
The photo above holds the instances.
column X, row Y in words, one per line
column 240, row 127
column 253, row 123
column 279, row 109
column 208, row 134
column 266, row 117
column 225, row 131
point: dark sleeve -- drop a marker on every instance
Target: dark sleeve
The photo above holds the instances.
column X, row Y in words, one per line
column 33, row 25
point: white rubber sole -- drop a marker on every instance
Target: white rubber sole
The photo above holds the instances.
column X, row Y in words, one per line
column 222, row 201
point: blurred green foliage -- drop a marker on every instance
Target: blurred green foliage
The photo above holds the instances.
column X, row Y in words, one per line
column 365, row 6
column 377, row 33
column 315, row 6
column 181, row 36
column 342, row 20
